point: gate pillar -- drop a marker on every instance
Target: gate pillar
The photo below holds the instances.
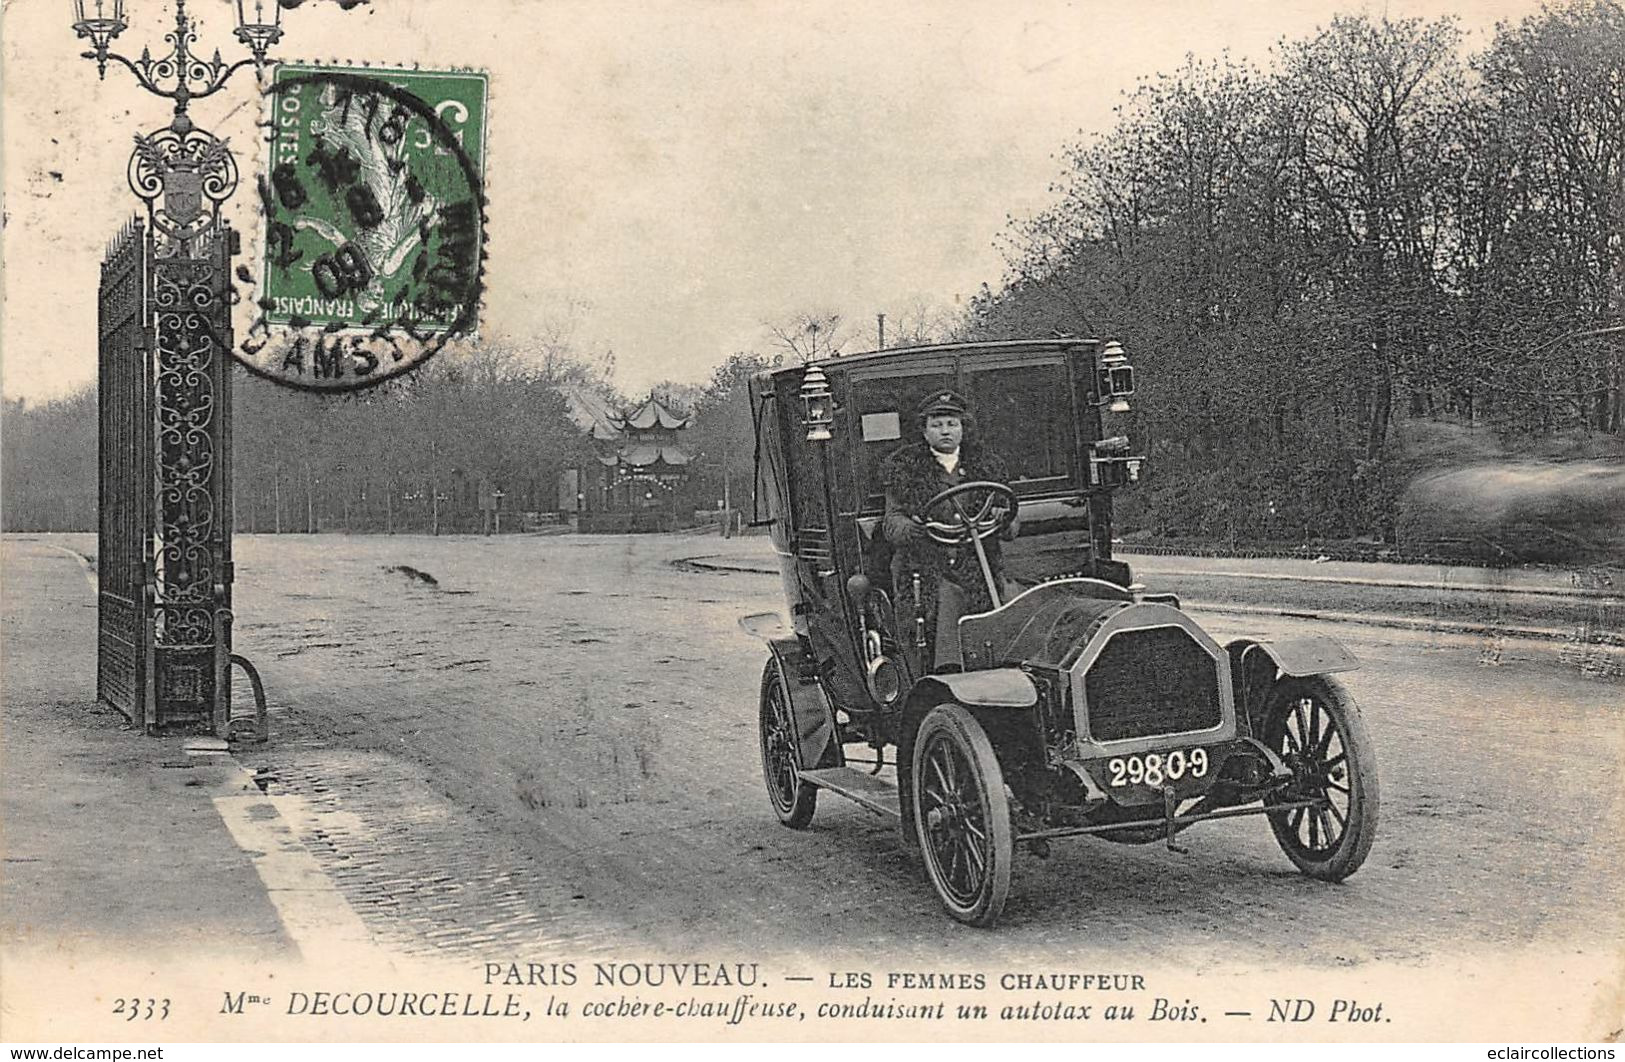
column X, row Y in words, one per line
column 192, row 566
column 164, row 406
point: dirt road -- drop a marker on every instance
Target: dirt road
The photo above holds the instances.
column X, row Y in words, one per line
column 528, row 746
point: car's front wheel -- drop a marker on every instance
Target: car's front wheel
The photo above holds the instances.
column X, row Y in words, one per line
column 962, row 815
column 1315, row 727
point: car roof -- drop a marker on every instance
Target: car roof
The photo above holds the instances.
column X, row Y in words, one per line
column 904, row 354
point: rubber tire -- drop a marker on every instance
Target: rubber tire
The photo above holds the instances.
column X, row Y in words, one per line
column 794, row 811
column 952, row 723
column 1365, row 795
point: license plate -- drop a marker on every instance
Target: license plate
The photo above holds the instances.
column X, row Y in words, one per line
column 1158, row 768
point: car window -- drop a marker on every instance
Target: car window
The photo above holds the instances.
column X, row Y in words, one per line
column 1024, row 415
column 885, row 421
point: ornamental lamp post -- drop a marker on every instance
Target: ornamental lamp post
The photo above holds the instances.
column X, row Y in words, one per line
column 164, row 407
column 180, row 76
column 101, row 27
column 259, row 34
column 183, row 164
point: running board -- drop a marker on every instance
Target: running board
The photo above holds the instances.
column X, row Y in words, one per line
column 874, row 793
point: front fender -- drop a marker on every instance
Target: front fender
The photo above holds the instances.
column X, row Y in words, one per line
column 1312, row 654
column 814, row 718
column 1256, row 666
column 1003, row 687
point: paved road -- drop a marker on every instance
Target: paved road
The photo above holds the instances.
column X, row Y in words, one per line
column 542, row 746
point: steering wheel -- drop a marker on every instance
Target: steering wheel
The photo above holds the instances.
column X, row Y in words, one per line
column 996, row 513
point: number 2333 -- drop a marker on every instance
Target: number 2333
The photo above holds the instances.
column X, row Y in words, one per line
column 141, row 1009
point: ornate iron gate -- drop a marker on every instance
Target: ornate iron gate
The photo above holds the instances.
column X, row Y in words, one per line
column 165, row 548
column 124, row 400
column 164, row 592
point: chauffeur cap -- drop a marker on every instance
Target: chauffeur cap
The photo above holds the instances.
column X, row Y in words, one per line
column 943, row 403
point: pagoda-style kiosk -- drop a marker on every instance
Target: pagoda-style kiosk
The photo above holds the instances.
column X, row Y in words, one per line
column 642, row 464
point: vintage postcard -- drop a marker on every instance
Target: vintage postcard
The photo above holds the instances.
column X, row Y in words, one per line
column 787, row 521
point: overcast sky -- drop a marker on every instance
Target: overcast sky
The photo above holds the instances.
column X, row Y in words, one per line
column 682, row 173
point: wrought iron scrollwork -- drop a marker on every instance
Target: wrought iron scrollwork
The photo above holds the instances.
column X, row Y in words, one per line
column 186, row 301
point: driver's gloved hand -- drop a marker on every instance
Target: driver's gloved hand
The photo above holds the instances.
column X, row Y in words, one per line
column 909, row 532
column 901, row 529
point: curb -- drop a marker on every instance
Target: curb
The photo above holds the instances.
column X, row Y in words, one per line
column 84, row 565
column 1544, row 634
column 1350, row 556
column 315, row 915
column 1578, row 593
column 706, row 563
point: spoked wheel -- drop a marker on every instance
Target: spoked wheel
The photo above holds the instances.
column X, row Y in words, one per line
column 1316, row 728
column 962, row 815
column 794, row 801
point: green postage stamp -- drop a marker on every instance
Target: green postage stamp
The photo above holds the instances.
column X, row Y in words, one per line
column 374, row 220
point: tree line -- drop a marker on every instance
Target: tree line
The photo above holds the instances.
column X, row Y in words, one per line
column 1376, row 252
column 412, row 455
column 1373, row 256
column 416, row 454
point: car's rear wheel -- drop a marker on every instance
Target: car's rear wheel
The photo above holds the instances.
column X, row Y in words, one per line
column 962, row 815
column 1315, row 726
column 793, row 800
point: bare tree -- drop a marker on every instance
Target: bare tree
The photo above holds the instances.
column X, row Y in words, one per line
column 919, row 321
column 1370, row 97
column 810, row 335
column 1554, row 258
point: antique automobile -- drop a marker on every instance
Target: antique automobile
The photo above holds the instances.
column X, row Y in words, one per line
column 1079, row 703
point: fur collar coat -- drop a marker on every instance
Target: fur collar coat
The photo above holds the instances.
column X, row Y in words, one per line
column 912, row 476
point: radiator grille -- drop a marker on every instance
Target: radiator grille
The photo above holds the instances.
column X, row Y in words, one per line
column 1150, row 682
